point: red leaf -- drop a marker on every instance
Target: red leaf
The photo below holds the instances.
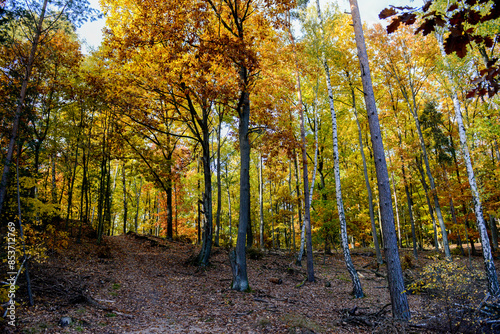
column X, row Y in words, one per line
column 393, row 26
column 473, row 17
column 456, row 44
column 458, row 18
column 427, row 6
column 452, row 7
column 408, row 18
column 427, row 27
column 387, row 12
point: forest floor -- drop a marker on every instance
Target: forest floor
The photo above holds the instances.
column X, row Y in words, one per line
column 145, row 285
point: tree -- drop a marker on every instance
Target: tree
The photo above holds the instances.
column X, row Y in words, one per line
column 307, row 195
column 357, row 290
column 75, row 11
column 465, row 21
column 400, row 308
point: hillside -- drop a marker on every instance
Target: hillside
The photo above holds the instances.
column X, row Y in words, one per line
column 135, row 284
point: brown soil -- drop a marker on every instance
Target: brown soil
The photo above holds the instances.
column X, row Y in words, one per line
column 135, row 285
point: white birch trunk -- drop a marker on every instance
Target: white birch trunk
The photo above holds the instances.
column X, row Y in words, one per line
column 357, row 290
column 489, row 265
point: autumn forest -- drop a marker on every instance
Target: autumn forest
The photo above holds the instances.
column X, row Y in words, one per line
column 259, row 128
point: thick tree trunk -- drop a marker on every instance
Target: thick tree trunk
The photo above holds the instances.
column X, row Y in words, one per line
column 400, row 308
column 239, row 262
column 206, row 247
column 367, row 181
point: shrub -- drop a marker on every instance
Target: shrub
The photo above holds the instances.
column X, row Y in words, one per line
column 255, row 253
column 452, row 293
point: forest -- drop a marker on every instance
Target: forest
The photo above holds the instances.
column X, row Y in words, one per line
column 250, row 143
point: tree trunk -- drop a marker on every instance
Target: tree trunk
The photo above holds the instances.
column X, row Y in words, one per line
column 400, row 308
column 101, row 197
column 70, row 189
column 410, row 208
column 198, row 219
column 206, row 247
column 219, row 186
column 54, row 186
column 494, row 232
column 397, row 208
column 138, row 202
column 437, row 206
column 239, row 262
column 83, row 190
column 261, row 203
column 491, row 274
column 125, row 208
column 307, row 201
column 367, row 181
column 272, row 214
column 357, row 290
column 170, row 220
column 431, row 212
column 291, row 206
column 229, row 216
column 27, row 273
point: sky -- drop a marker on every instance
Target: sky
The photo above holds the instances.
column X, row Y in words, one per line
column 91, row 32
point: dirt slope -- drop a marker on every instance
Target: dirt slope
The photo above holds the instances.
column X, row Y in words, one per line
column 134, row 285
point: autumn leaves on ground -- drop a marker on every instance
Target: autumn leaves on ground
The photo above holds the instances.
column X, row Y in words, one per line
column 139, row 284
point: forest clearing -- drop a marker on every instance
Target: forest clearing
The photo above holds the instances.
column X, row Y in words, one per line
column 195, row 169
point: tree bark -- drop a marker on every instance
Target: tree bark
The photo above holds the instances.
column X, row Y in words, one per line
column 367, row 181
column 138, row 202
column 219, row 185
column 207, row 235
column 239, row 263
column 400, row 308
column 261, row 203
column 125, row 207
